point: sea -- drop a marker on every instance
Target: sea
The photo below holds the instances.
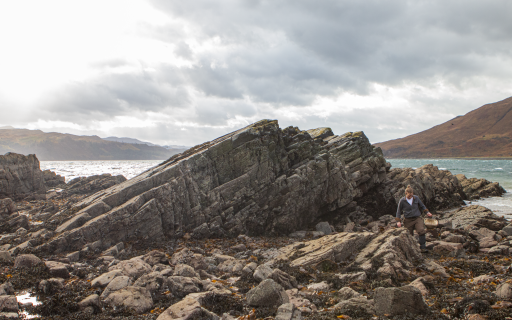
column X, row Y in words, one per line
column 492, row 170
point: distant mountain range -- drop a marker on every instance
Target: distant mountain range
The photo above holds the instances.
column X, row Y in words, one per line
column 136, row 141
column 482, row 133
column 59, row 146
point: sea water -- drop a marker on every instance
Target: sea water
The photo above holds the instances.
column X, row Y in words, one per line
column 492, row 170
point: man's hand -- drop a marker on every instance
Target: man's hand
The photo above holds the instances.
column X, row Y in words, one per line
column 429, row 214
column 398, row 224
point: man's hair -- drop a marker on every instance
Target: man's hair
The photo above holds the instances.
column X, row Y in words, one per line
column 409, row 190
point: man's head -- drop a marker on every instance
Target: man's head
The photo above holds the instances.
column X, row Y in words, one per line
column 409, row 192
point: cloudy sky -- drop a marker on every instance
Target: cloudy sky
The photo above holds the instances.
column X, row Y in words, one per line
column 184, row 72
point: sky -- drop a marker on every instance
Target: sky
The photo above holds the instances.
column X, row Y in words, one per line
column 186, row 72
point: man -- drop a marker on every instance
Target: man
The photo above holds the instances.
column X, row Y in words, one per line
column 410, row 205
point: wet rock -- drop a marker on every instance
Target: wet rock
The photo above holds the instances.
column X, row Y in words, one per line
column 185, row 271
column 134, row 267
column 262, row 272
column 347, row 293
column 360, row 305
column 398, row 301
column 284, row 279
column 91, row 301
column 288, row 311
column 182, row 286
column 153, row 281
column 267, row 294
column 504, row 291
column 135, row 298
column 57, row 269
column 26, row 261
column 155, row 257
column 104, row 279
column 324, row 227
column 20, row 176
column 50, row 286
column 117, row 283
column 8, row 304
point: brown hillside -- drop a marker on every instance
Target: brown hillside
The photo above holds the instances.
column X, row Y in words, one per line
column 484, row 132
column 59, row 146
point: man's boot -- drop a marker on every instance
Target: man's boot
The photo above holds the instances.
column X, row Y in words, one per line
column 423, row 241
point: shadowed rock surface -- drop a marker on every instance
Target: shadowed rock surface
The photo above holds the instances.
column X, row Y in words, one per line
column 20, row 176
column 257, row 180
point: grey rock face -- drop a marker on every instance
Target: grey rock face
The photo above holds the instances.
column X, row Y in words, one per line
column 504, row 291
column 20, row 176
column 257, row 180
column 185, row 271
column 268, row 293
column 284, row 279
column 117, row 283
column 153, row 281
column 93, row 184
column 473, row 215
column 52, row 180
column 136, row 298
column 397, row 301
column 181, row 286
column 475, row 188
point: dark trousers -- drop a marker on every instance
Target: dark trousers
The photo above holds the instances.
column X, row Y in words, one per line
column 415, row 223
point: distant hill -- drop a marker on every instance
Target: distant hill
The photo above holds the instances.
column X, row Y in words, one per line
column 485, row 132
column 176, row 148
column 59, row 146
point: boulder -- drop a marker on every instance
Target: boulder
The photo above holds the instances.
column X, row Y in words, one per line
column 5, row 257
column 26, row 261
column 504, row 291
column 7, row 206
column 320, row 286
column 352, row 277
column 288, row 311
column 420, row 285
column 475, row 188
column 359, row 305
column 250, row 268
column 117, row 283
column 155, row 257
column 90, row 301
column 181, row 286
column 153, row 281
column 262, row 272
column 399, row 301
column 324, row 227
column 104, row 279
column 267, row 181
column 267, row 294
column 135, row 298
column 474, row 215
column 50, row 286
column 52, row 180
column 8, row 304
column 58, row 269
column 231, row 266
column 185, row 271
column 347, row 293
column 20, row 176
column 284, row 279
column 134, row 267
column 6, row 289
column 188, row 308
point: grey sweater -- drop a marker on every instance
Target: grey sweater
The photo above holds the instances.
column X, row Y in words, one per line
column 410, row 211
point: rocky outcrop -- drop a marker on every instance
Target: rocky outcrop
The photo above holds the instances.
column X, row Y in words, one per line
column 260, row 180
column 7, row 206
column 52, row 180
column 475, row 188
column 20, row 176
column 473, row 216
column 93, row 184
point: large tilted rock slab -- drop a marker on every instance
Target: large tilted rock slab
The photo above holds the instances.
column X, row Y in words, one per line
column 20, row 176
column 389, row 255
column 474, row 215
column 257, row 180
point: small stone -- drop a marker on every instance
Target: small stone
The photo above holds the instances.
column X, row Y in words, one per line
column 267, row 294
column 504, row 291
column 8, row 304
column 26, row 261
column 320, row 286
column 184, row 270
column 398, row 301
column 91, row 301
column 262, row 272
column 288, row 311
column 250, row 268
column 104, row 279
column 117, row 283
column 135, row 298
column 5, row 257
column 347, row 293
column 324, row 227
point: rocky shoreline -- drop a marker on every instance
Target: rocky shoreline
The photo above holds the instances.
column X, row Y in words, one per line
column 264, row 223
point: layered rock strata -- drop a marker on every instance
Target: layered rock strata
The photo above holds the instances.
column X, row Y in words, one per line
column 20, row 176
column 479, row 188
column 257, row 180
